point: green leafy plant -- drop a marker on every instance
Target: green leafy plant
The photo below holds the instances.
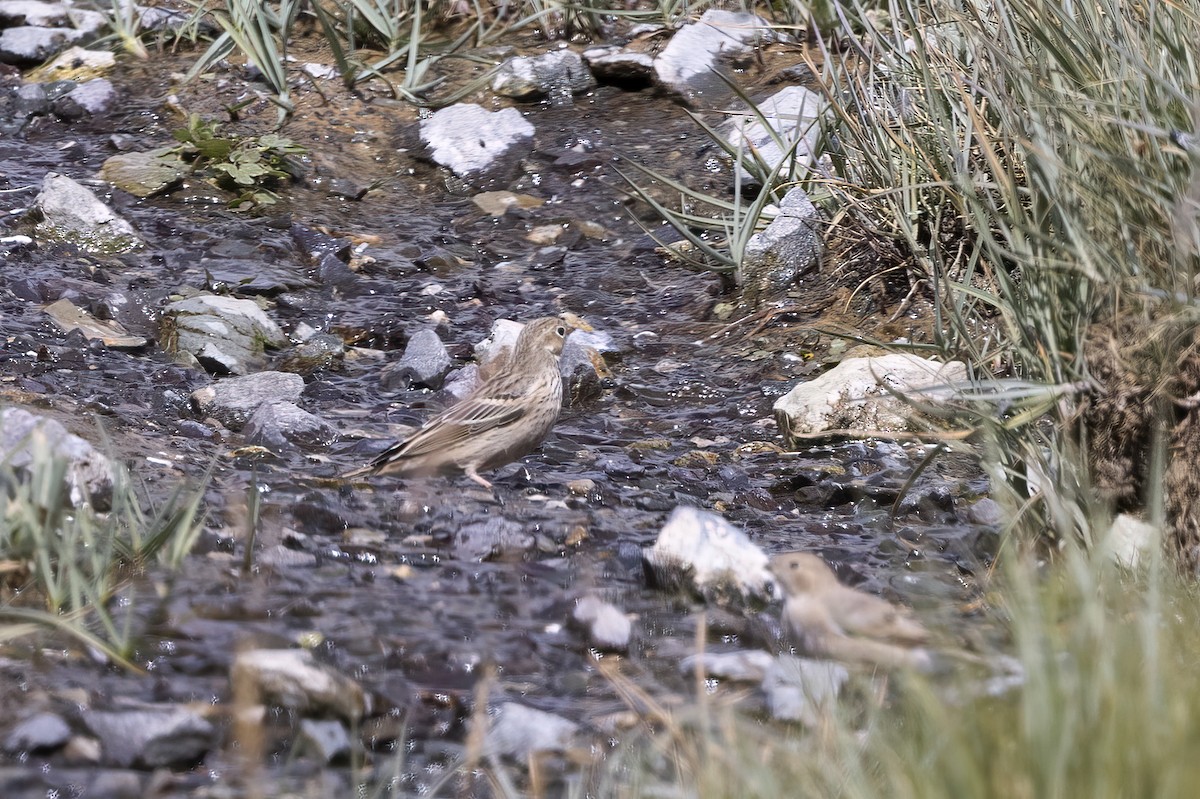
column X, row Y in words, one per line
column 248, row 166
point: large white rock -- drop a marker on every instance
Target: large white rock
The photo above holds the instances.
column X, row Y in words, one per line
column 699, row 549
column 861, row 394
column 688, row 64
column 468, row 139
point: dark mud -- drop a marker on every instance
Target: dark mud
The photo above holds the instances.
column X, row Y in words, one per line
column 376, row 573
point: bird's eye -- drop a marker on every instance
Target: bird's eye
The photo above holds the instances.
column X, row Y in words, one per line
column 795, row 565
column 561, row 331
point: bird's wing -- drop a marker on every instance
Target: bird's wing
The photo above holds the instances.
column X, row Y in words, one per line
column 456, row 424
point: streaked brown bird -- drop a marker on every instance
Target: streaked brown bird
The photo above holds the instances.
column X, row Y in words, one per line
column 503, row 419
column 834, row 620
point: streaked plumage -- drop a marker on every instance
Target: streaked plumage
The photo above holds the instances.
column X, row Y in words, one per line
column 503, row 419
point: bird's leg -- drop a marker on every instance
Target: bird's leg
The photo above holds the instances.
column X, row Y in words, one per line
column 474, row 475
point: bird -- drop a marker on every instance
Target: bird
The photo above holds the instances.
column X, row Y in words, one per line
column 834, row 620
column 503, row 419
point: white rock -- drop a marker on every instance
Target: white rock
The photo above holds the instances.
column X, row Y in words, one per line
column 803, row 690
column 687, row 64
column 700, row 547
column 468, row 139
column 561, row 72
column 747, row 665
column 607, row 626
column 860, row 394
column 788, row 120
column 1130, row 540
column 518, row 731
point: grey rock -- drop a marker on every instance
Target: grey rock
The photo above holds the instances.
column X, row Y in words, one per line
column 424, row 364
column 92, row 98
column 233, row 400
column 24, row 435
column 283, row 558
column 151, row 738
column 863, row 394
column 789, row 246
column 225, row 334
column 986, row 511
column 495, row 536
column 784, row 125
column 31, row 100
column 607, row 627
column 473, row 142
column 318, row 351
column 325, row 740
column 557, row 74
column 294, row 680
column 280, row 425
column 76, row 62
column 699, row 550
column 462, row 382
column 747, row 665
column 71, row 213
column 621, row 67
column 803, row 690
column 518, row 731
column 26, row 44
column 39, row 732
column 687, row 65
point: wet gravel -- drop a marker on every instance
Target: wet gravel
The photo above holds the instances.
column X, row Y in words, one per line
column 416, row 589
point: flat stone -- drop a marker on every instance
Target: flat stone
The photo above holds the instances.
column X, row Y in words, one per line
column 620, row 67
column 67, row 317
column 785, row 125
column 698, row 549
column 90, row 98
column 327, row 741
column 71, row 213
column 142, row 174
column 861, row 394
column 747, row 665
column 490, row 538
column 76, row 63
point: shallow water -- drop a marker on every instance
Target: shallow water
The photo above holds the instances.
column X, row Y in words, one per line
column 374, row 571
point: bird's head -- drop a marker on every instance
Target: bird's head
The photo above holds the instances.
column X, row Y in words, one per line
column 800, row 572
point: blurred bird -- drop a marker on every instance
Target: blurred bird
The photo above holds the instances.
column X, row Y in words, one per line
column 503, row 419
column 833, row 620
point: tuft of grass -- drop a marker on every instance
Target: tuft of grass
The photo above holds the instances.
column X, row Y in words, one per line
column 72, row 560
